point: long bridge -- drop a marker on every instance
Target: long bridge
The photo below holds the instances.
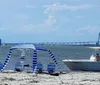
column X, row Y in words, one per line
column 85, row 43
column 90, row 43
column 94, row 43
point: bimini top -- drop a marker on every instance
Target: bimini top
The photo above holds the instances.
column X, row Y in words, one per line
column 28, row 46
column 95, row 48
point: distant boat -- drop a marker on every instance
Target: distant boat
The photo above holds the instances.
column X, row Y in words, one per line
column 86, row 64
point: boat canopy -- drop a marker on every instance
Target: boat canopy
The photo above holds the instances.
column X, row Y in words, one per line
column 95, row 48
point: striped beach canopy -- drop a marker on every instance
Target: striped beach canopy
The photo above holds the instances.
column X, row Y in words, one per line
column 28, row 46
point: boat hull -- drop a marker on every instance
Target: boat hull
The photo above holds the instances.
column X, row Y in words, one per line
column 80, row 65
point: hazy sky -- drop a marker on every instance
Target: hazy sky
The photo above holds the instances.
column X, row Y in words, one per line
column 49, row 20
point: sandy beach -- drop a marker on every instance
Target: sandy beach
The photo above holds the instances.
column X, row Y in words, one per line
column 69, row 78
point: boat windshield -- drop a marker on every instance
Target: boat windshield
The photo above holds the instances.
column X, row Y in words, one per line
column 96, row 52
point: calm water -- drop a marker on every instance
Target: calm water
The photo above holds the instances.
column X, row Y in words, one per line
column 61, row 52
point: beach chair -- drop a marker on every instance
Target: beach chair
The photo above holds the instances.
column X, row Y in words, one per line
column 51, row 68
column 39, row 67
column 19, row 67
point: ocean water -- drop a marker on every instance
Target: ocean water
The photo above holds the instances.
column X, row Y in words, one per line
column 61, row 52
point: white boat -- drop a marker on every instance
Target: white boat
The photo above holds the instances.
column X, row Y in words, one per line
column 84, row 65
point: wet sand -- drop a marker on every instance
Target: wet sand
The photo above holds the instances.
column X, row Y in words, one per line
column 69, row 78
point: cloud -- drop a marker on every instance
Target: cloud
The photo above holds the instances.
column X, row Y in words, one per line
column 57, row 7
column 30, row 6
column 89, row 29
column 50, row 21
column 47, row 26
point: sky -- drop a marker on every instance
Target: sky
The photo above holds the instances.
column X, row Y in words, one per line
column 49, row 20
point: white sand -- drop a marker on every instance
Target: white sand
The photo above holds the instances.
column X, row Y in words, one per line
column 71, row 78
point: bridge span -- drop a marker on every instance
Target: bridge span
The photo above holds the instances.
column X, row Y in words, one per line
column 85, row 43
column 73, row 43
